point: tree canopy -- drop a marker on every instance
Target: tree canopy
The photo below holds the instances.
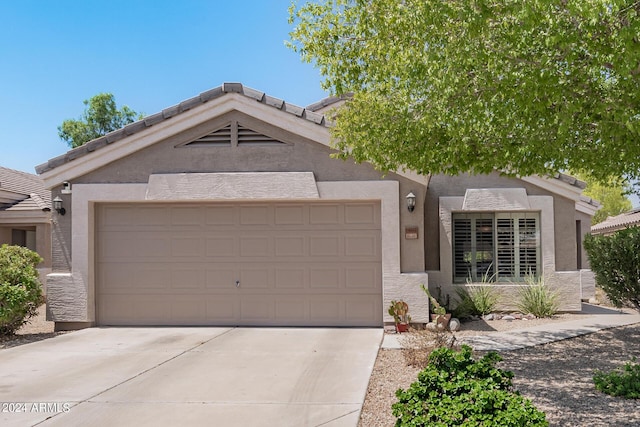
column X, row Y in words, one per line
column 448, row 86
column 100, row 117
column 611, row 194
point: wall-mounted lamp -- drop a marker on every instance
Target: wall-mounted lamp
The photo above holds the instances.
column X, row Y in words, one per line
column 411, row 201
column 57, row 206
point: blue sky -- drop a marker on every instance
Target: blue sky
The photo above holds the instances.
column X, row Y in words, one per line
column 149, row 54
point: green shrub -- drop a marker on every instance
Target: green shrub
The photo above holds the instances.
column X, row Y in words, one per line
column 465, row 308
column 456, row 390
column 615, row 260
column 20, row 288
column 475, row 300
column 537, row 298
column 624, row 382
column 484, row 298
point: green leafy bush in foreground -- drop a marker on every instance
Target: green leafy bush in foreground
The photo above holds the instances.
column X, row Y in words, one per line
column 623, row 382
column 20, row 288
column 456, row 390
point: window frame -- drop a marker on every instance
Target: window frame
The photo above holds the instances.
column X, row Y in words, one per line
column 524, row 246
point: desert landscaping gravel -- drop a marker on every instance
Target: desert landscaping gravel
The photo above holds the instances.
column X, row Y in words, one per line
column 556, row 377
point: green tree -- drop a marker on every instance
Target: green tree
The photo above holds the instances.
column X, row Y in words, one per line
column 100, row 117
column 615, row 260
column 611, row 194
column 446, row 86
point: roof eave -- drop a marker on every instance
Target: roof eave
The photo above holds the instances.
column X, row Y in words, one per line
column 83, row 160
column 185, row 112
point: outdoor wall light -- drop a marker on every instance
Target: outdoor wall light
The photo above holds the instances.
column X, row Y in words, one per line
column 411, row 201
column 57, row 205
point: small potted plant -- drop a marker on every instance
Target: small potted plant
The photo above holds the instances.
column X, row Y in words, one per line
column 399, row 310
column 439, row 314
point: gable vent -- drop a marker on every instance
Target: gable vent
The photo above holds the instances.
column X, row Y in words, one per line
column 234, row 134
column 247, row 136
column 220, row 137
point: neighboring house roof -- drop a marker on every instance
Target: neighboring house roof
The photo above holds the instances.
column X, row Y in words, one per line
column 618, row 222
column 22, row 191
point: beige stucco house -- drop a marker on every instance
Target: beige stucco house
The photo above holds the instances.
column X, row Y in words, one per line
column 228, row 209
column 25, row 215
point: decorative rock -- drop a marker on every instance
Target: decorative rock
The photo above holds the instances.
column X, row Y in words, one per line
column 530, row 316
column 454, row 324
column 497, row 316
column 518, row 316
column 594, row 300
column 508, row 317
column 489, row 316
column 431, row 326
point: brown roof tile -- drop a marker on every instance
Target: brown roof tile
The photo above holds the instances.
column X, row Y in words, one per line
column 29, row 189
column 325, row 102
column 307, row 113
column 175, row 110
column 613, row 223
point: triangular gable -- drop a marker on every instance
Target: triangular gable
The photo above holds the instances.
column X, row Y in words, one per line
column 191, row 113
column 194, row 112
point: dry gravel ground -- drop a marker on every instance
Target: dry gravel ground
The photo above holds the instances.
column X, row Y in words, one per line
column 557, row 377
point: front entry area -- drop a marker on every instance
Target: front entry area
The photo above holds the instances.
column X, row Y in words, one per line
column 264, row 264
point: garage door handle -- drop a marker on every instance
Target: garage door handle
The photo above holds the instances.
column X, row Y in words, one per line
column 237, row 283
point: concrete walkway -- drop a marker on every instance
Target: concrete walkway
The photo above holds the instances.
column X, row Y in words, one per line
column 598, row 318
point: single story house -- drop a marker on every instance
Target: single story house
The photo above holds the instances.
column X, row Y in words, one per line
column 227, row 209
column 617, row 222
column 25, row 215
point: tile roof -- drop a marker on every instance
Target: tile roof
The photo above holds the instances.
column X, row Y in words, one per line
column 571, row 180
column 328, row 101
column 307, row 113
column 617, row 222
column 176, row 110
column 28, row 191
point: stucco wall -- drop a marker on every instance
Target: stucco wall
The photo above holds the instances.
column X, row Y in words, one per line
column 445, row 186
column 169, row 157
column 40, row 241
column 299, row 155
column 566, row 285
column 5, row 235
column 61, row 234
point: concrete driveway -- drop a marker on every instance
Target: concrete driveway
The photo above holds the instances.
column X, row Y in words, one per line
column 189, row 377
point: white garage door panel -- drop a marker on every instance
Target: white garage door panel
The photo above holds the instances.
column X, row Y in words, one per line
column 297, row 264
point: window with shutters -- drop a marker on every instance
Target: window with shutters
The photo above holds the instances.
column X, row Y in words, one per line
column 495, row 247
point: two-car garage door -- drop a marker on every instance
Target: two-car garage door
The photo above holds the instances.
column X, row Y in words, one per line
column 303, row 264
